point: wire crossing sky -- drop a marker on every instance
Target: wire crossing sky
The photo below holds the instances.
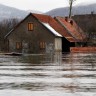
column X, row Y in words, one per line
column 42, row 5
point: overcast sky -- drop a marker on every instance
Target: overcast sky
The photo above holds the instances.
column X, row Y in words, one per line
column 41, row 5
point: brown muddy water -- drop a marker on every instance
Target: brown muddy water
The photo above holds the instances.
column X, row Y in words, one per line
column 38, row 75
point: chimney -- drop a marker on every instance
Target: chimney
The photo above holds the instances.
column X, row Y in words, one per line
column 71, row 22
column 66, row 19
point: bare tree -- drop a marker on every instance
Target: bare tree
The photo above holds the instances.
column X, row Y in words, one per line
column 70, row 8
column 5, row 26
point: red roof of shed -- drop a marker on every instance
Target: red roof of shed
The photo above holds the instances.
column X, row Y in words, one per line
column 72, row 28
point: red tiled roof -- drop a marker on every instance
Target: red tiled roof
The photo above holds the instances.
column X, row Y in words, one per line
column 72, row 28
column 54, row 24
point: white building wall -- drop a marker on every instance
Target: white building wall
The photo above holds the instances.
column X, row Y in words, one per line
column 58, row 44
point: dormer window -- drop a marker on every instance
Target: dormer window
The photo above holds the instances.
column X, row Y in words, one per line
column 66, row 19
column 30, row 26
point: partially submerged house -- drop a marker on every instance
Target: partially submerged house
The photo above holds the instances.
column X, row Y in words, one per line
column 34, row 34
column 39, row 33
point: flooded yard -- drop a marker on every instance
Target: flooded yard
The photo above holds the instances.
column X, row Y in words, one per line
column 31, row 75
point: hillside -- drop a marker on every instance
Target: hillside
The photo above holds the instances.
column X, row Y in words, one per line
column 7, row 12
column 77, row 10
column 10, row 12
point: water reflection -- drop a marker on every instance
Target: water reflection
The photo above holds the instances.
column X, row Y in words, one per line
column 61, row 75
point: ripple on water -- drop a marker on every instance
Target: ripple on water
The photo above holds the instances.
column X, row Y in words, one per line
column 74, row 76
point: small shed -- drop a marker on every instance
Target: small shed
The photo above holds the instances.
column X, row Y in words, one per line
column 74, row 34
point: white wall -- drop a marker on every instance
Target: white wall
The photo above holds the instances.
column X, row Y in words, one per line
column 58, row 44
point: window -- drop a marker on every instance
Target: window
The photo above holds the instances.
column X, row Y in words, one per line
column 42, row 45
column 18, row 45
column 30, row 26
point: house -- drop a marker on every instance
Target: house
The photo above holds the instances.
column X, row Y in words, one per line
column 39, row 33
column 34, row 34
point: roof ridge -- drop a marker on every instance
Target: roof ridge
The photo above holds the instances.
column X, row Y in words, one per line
column 40, row 14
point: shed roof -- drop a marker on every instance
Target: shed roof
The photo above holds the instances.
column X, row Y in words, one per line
column 72, row 28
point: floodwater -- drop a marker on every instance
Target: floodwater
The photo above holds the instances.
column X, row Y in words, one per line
column 38, row 75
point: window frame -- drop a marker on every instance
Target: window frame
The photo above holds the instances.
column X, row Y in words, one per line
column 42, row 45
column 30, row 26
column 18, row 45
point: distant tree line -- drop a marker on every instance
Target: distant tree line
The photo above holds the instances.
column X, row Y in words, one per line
column 87, row 23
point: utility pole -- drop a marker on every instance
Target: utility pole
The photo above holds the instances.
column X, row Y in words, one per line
column 70, row 8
